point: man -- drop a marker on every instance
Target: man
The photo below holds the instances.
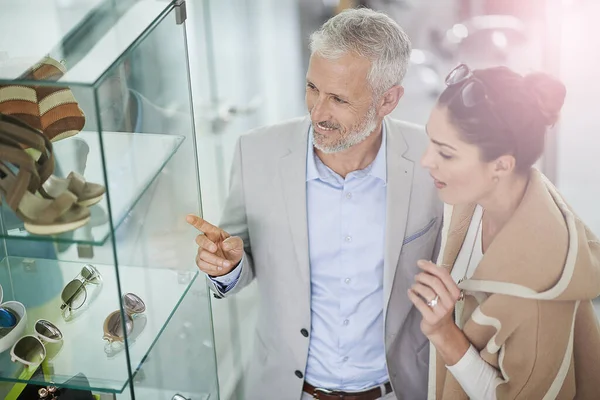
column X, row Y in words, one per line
column 330, row 215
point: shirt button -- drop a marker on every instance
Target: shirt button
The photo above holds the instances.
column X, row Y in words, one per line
column 299, row 374
column 304, row 332
column 346, row 322
column 345, row 359
column 347, row 280
column 348, row 195
column 348, row 238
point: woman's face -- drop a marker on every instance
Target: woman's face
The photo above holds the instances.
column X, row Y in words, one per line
column 460, row 175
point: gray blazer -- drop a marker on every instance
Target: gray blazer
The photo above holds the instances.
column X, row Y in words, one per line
column 266, row 207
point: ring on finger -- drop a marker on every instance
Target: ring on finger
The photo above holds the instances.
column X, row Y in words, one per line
column 432, row 303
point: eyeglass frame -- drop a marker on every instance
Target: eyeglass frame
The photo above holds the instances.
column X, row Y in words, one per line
column 68, row 304
column 111, row 338
column 12, row 314
column 470, row 77
column 129, row 315
column 41, row 339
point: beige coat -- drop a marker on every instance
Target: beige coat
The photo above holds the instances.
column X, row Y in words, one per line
column 528, row 307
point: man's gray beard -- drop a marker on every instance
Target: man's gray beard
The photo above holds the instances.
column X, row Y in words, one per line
column 344, row 143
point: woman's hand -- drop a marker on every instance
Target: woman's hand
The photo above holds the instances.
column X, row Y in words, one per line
column 434, row 294
column 437, row 287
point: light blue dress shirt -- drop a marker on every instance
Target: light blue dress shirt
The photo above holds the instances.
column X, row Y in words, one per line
column 346, row 231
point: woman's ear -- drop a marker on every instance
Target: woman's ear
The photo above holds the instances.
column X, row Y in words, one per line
column 504, row 165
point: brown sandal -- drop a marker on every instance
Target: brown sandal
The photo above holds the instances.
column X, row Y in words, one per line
column 87, row 193
column 20, row 102
column 53, row 110
column 41, row 216
column 18, row 134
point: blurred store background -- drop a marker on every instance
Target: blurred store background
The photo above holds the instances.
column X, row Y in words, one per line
column 248, row 60
column 257, row 54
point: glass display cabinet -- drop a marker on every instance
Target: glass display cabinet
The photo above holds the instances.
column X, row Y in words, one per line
column 100, row 295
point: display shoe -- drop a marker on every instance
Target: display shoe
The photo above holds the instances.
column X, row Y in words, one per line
column 60, row 115
column 15, row 133
column 51, row 109
column 87, row 193
column 20, row 102
column 41, row 216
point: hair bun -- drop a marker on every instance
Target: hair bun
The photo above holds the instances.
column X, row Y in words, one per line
column 548, row 93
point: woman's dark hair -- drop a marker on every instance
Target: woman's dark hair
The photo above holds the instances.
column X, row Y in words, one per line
column 514, row 117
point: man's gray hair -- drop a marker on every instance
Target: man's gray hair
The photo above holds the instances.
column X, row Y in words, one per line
column 369, row 34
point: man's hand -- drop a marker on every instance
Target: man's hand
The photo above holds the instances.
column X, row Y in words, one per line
column 218, row 252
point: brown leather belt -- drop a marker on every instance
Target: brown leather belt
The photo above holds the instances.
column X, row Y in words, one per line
column 324, row 394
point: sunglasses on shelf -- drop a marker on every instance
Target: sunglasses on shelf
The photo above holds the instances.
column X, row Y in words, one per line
column 8, row 318
column 113, row 325
column 74, row 294
column 30, row 350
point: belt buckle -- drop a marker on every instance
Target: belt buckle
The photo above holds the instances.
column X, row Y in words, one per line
column 321, row 390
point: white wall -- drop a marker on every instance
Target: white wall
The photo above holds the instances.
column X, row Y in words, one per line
column 578, row 175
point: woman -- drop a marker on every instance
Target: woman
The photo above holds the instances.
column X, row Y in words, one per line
column 509, row 315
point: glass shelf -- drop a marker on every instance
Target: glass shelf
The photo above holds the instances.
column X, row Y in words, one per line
column 133, row 162
column 38, row 284
column 62, row 30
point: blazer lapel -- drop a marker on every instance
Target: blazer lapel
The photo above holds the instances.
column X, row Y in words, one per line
column 292, row 167
column 399, row 178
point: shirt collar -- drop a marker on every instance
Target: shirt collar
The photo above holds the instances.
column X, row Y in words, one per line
column 315, row 169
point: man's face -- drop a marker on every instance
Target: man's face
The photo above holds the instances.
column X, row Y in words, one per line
column 340, row 102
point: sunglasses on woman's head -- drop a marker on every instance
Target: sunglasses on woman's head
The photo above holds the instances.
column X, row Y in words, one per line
column 473, row 92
